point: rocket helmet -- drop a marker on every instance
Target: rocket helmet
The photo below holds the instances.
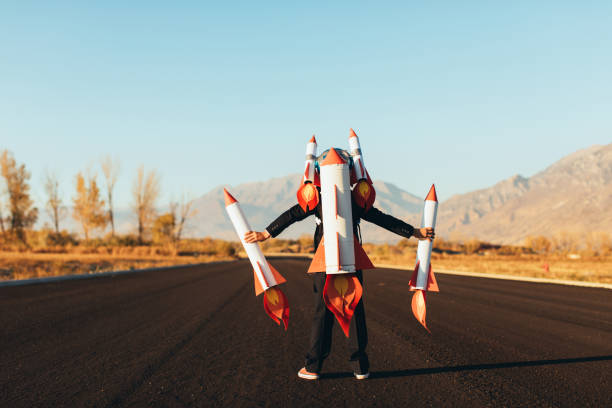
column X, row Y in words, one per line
column 343, row 153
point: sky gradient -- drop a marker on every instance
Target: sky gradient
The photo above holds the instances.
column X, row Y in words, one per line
column 462, row 94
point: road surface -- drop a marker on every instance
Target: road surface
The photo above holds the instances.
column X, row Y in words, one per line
column 197, row 336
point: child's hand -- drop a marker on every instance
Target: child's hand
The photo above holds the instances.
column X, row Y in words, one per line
column 254, row 236
column 424, row 233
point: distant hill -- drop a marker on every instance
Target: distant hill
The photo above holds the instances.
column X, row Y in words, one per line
column 573, row 195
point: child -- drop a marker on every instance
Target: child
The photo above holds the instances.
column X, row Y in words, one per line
column 321, row 331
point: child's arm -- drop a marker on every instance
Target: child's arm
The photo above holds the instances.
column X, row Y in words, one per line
column 397, row 226
column 294, row 214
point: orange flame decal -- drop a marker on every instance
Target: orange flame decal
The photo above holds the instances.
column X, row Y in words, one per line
column 308, row 196
column 419, row 307
column 341, row 294
column 276, row 306
column 364, row 194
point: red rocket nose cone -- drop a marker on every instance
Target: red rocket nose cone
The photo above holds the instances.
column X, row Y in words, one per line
column 313, row 140
column 431, row 196
column 332, row 158
column 228, row 198
column 352, row 133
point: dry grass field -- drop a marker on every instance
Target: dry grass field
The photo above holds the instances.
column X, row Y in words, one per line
column 27, row 265
column 518, row 261
column 561, row 268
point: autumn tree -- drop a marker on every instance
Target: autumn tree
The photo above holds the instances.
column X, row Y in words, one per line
column 22, row 213
column 164, row 228
column 146, row 193
column 2, row 217
column 54, row 206
column 88, row 205
column 539, row 244
column 110, row 169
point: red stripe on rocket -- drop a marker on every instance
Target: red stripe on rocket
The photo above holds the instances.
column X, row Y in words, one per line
column 423, row 278
column 307, row 194
column 363, row 192
column 265, row 276
column 339, row 253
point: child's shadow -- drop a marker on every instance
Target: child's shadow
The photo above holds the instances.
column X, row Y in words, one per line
column 473, row 367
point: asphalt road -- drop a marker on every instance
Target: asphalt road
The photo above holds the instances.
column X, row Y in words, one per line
column 198, row 336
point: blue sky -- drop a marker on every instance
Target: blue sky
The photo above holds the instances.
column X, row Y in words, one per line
column 462, row 94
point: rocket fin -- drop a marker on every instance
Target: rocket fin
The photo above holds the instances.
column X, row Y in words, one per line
column 368, row 178
column 361, row 258
column 277, row 276
column 258, row 288
column 432, row 284
column 318, row 262
column 353, row 177
column 413, row 279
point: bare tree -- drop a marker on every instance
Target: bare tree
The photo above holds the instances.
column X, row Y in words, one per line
column 110, row 169
column 185, row 212
column 55, row 209
column 2, row 219
column 146, row 193
column 22, row 213
column 88, row 205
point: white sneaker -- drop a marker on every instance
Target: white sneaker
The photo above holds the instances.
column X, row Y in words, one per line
column 361, row 376
column 305, row 374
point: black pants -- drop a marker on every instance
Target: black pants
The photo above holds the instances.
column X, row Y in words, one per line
column 321, row 332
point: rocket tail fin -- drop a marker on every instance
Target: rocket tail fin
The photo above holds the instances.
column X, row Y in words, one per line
column 432, row 284
column 353, row 177
column 368, row 177
column 361, row 258
column 258, row 287
column 277, row 276
column 318, row 262
column 413, row 279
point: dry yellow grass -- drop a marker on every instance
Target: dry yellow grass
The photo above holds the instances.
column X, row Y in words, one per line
column 596, row 269
column 27, row 265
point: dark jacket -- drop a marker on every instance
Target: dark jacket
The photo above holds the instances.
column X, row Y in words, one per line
column 373, row 215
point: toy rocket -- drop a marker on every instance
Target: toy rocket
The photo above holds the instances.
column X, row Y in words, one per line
column 307, row 194
column 423, row 278
column 339, row 254
column 363, row 193
column 266, row 277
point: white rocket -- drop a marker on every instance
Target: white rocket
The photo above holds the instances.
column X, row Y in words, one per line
column 339, row 252
column 363, row 192
column 307, row 194
column 311, row 156
column 265, row 276
column 423, row 278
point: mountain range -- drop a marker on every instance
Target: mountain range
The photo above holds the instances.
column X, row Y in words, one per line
column 573, row 194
